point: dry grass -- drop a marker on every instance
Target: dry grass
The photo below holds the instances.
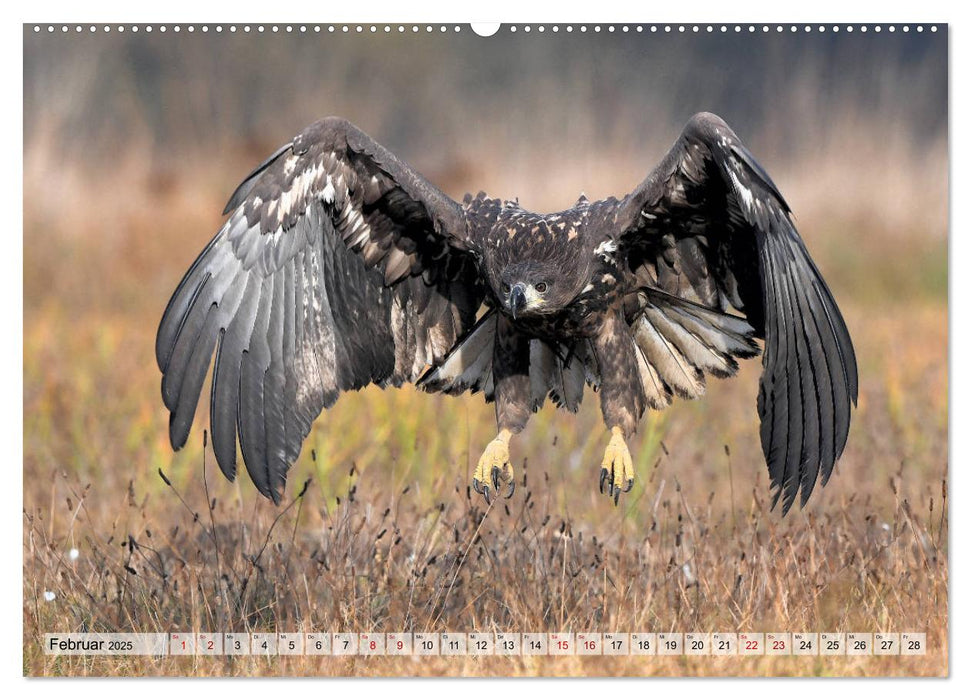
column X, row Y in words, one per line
column 383, row 561
column 385, row 537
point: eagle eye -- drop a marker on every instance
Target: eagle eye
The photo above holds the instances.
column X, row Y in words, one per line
column 505, row 288
column 542, row 287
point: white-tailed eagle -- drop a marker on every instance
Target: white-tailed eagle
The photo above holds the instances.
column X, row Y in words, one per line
column 340, row 267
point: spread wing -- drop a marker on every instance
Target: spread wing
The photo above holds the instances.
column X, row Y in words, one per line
column 339, row 266
column 708, row 225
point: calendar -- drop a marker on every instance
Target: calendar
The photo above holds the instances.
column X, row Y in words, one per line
column 514, row 348
column 448, row 644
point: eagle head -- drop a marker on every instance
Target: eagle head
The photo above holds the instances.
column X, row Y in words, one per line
column 528, row 288
column 537, row 264
column 525, row 288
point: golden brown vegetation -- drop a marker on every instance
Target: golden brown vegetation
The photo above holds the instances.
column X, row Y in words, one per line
column 386, row 537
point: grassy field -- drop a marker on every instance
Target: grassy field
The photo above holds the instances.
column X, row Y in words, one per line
column 386, row 536
column 378, row 531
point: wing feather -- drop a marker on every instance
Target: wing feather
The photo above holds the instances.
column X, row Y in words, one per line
column 673, row 367
column 224, row 399
column 339, row 266
column 657, row 392
column 706, row 230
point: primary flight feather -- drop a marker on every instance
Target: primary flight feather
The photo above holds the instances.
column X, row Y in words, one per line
column 340, row 266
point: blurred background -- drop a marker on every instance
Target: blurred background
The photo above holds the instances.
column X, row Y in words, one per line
column 133, row 143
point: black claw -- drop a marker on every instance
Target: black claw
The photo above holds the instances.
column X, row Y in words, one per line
column 485, row 492
column 629, row 485
column 603, row 479
column 476, row 485
column 512, row 489
column 616, row 496
column 495, row 479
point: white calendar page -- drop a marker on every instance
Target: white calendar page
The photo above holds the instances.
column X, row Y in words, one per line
column 331, row 508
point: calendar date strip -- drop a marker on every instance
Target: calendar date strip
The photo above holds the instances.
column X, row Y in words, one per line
column 418, row 644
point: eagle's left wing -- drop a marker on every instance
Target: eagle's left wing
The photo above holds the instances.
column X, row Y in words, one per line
column 709, row 226
column 339, row 266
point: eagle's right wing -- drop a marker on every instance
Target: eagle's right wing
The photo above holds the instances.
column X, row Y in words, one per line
column 708, row 226
column 339, row 266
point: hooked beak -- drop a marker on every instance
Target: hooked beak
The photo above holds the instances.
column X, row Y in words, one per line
column 517, row 299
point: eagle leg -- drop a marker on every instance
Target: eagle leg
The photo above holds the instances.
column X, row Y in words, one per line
column 617, row 468
column 494, row 468
column 622, row 401
column 510, row 367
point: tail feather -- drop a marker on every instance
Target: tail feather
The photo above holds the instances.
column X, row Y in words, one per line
column 553, row 372
column 542, row 372
column 572, row 378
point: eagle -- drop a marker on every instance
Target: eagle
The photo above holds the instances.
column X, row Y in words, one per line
column 340, row 266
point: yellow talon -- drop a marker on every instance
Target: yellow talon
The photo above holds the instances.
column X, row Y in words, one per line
column 494, row 467
column 617, row 468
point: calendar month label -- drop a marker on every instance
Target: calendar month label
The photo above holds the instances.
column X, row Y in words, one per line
column 106, row 644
